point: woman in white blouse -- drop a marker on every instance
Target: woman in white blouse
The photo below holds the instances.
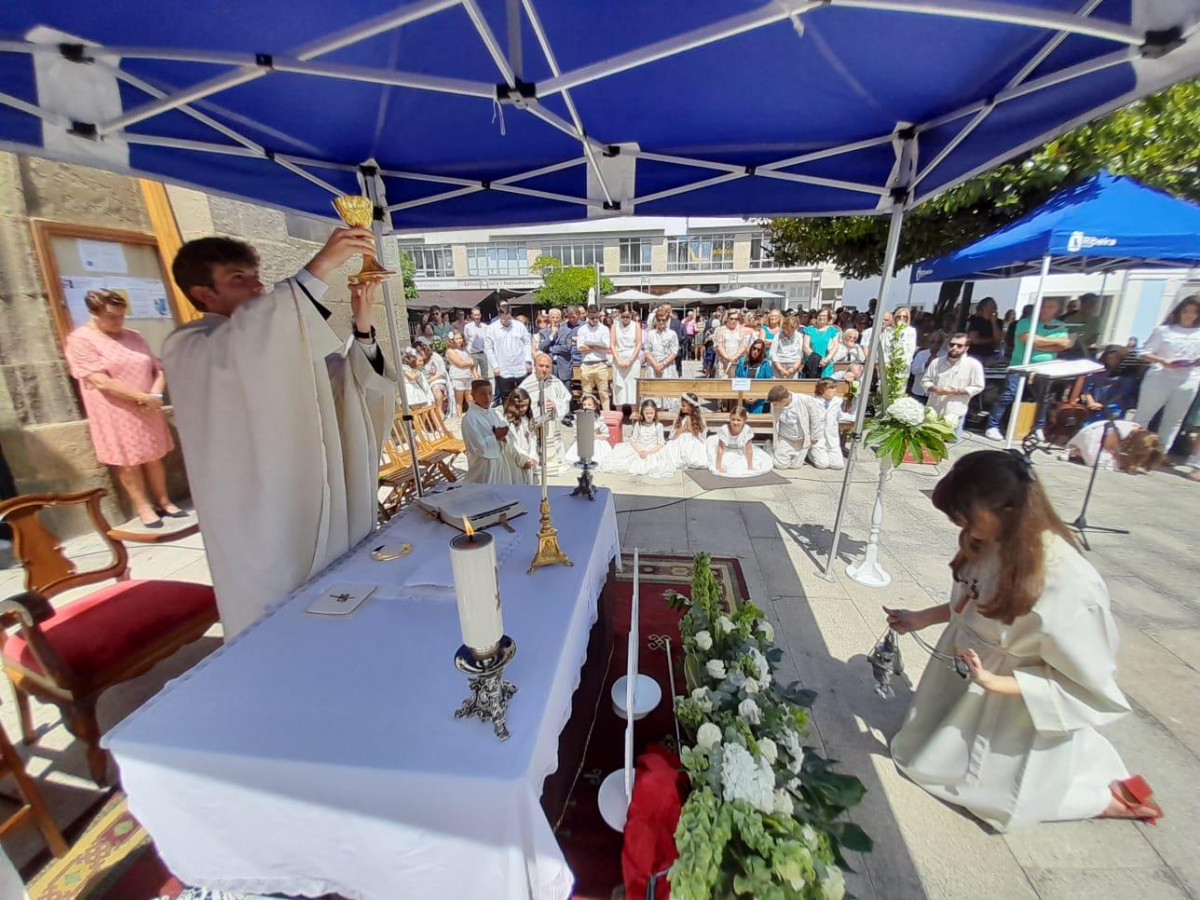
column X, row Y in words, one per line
column 1171, row 385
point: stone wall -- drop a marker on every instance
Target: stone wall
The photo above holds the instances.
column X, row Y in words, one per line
column 42, row 430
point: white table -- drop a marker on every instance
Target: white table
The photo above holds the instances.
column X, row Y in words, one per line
column 319, row 754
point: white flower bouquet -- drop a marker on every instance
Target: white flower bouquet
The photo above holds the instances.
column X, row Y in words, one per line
column 765, row 815
column 908, row 429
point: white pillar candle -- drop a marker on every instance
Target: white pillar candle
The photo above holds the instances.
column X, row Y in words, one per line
column 585, row 433
column 476, row 587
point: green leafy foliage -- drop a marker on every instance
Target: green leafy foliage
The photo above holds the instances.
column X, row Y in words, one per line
column 765, row 818
column 1152, row 140
column 566, row 285
column 892, row 439
column 408, row 272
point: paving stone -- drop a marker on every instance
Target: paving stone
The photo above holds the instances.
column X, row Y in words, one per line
column 1068, row 884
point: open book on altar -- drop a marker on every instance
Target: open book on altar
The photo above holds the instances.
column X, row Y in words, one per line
column 482, row 505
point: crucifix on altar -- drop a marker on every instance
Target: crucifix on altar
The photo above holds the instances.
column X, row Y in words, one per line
column 549, row 553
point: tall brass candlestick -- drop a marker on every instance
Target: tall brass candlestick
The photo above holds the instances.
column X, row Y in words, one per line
column 549, row 553
column 357, row 212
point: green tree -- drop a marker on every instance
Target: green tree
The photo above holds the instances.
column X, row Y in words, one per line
column 1153, row 140
column 566, row 285
column 408, row 272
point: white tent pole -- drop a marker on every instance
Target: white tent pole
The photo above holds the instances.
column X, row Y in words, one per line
column 371, row 185
column 1014, row 410
column 889, row 265
column 1107, row 332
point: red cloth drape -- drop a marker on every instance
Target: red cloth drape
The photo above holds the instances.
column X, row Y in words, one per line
column 658, row 791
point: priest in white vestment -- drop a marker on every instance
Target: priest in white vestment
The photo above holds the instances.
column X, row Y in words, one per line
column 482, row 428
column 541, row 383
column 281, row 420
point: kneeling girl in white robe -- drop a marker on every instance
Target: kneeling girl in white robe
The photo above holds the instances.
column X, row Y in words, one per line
column 731, row 451
column 520, row 450
column 601, row 448
column 1017, row 741
column 826, row 449
column 645, row 453
column 1128, row 447
column 687, row 444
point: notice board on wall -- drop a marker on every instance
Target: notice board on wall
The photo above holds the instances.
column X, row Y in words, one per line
column 76, row 259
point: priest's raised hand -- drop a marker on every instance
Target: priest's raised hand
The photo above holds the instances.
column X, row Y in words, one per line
column 281, row 419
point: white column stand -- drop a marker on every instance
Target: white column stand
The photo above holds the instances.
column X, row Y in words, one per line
column 869, row 570
column 889, row 263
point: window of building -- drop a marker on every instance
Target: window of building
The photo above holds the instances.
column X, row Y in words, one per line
column 497, row 259
column 575, row 254
column 431, row 260
column 635, row 254
column 760, row 252
column 699, row 251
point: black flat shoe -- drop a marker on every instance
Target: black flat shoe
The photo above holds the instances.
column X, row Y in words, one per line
column 157, row 523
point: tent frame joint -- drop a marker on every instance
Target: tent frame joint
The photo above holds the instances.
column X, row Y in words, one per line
column 86, row 130
column 377, row 214
column 612, row 150
column 264, row 60
column 1162, row 41
column 368, row 171
column 900, row 195
column 907, row 133
column 750, row 170
column 518, row 93
column 485, row 185
column 612, row 205
column 75, row 52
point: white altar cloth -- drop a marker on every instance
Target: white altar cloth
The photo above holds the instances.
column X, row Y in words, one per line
column 319, row 754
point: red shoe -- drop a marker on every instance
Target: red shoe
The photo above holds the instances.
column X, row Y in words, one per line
column 1134, row 793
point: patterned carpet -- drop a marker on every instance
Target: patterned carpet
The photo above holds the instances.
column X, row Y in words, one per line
column 115, row 859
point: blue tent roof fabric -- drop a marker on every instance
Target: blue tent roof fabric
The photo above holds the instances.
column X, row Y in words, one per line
column 1104, row 223
column 489, row 112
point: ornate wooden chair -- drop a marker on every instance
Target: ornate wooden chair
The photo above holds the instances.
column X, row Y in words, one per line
column 71, row 655
column 31, row 804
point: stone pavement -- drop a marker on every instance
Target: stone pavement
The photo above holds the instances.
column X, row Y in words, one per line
column 923, row 848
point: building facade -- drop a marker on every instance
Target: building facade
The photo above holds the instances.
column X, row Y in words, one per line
column 656, row 255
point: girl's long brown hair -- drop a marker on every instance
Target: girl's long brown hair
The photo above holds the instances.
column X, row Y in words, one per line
column 695, row 419
column 1004, row 484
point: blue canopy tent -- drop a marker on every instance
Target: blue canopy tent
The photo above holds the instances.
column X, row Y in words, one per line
column 455, row 113
column 1102, row 224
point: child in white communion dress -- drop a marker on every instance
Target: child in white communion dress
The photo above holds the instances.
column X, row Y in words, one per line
column 731, row 451
column 601, row 448
column 645, row 453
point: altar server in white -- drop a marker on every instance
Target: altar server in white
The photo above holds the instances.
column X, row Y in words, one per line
column 796, row 424
column 541, row 384
column 483, row 431
column 1016, row 743
column 281, row 420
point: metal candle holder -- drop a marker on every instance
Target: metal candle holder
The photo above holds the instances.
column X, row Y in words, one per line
column 490, row 693
column 586, row 487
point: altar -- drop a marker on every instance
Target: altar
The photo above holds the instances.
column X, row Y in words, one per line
column 319, row 754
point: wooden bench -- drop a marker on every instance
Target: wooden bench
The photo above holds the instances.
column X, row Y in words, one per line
column 714, row 390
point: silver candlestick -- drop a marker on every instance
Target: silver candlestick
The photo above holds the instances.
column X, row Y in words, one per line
column 586, row 487
column 490, row 693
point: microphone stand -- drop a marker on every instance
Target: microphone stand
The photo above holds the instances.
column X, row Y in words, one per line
column 1081, row 524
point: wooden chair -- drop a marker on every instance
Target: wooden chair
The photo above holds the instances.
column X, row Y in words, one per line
column 71, row 655
column 436, row 450
column 32, row 805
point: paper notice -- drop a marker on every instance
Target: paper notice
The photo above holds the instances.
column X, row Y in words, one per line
column 103, row 256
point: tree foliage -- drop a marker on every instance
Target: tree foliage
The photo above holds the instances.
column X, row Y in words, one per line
column 1153, row 140
column 566, row 285
column 408, row 272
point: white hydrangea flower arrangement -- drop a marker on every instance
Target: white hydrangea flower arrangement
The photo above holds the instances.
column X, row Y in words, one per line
column 908, row 429
column 763, row 812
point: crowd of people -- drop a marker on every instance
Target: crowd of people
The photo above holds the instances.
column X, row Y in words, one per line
column 608, row 351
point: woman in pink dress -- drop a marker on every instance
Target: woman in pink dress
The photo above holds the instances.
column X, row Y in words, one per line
column 122, row 383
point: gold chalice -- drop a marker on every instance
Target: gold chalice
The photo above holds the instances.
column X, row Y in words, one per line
column 357, row 212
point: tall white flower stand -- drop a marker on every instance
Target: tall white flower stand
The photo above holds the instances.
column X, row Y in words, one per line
column 869, row 570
